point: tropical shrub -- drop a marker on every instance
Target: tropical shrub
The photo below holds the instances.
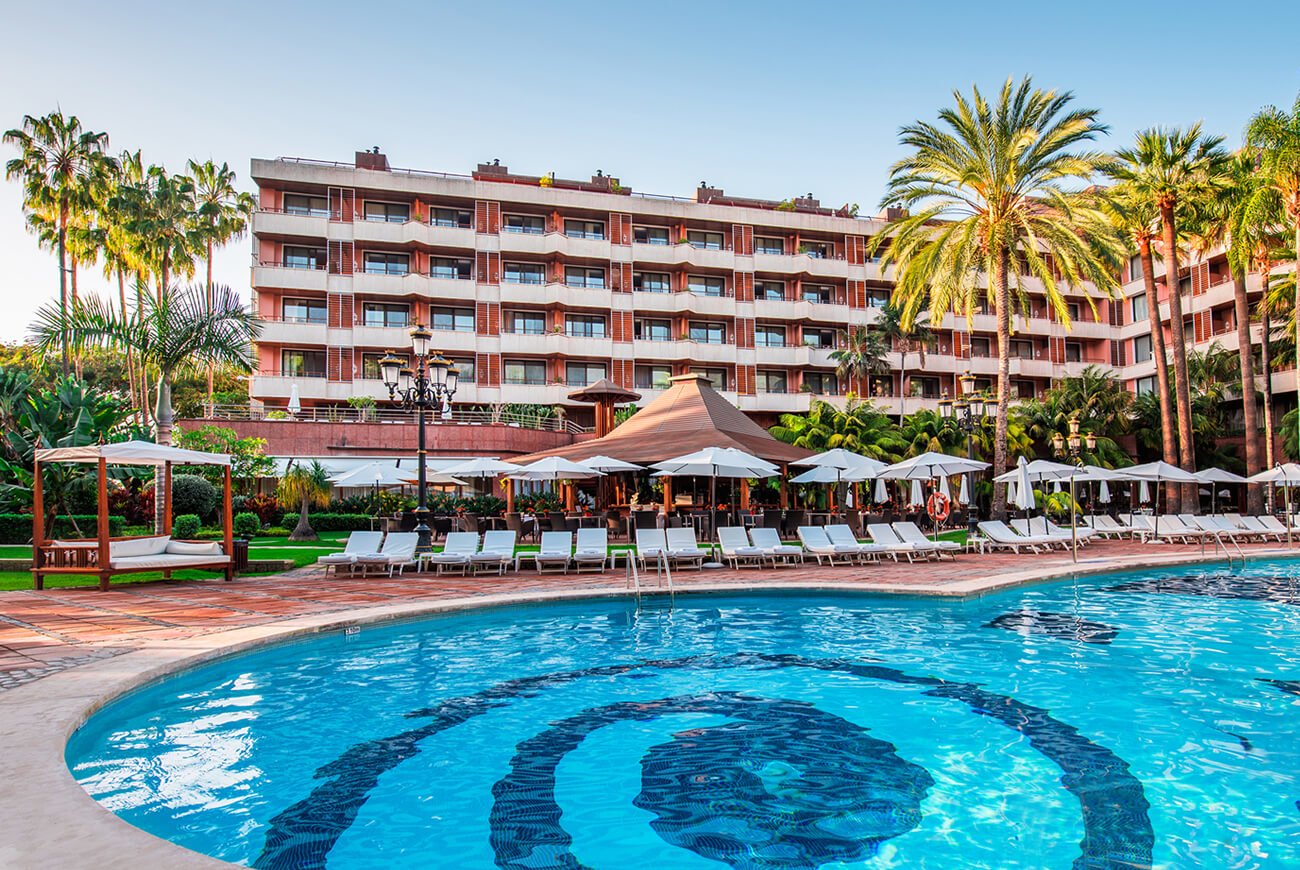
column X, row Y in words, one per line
column 326, row 522
column 267, row 508
column 192, row 494
column 17, row 528
column 246, row 524
column 186, row 526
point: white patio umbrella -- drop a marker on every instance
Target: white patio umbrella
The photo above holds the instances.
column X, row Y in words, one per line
column 1011, row 492
column 1144, row 493
column 295, row 404
column 609, row 463
column 917, row 495
column 1285, row 475
column 1024, row 488
column 819, row 474
column 930, row 465
column 482, row 467
column 1103, row 493
column 555, row 468
column 964, row 495
column 1039, row 469
column 389, row 474
column 1056, row 486
column 715, row 462
column 943, row 488
column 1159, row 472
column 881, row 495
column 1217, row 475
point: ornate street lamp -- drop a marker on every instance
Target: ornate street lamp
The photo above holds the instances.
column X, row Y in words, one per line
column 970, row 409
column 1072, row 446
column 426, row 383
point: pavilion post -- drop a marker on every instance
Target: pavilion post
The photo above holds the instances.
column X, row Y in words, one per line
column 785, row 487
column 229, row 524
column 668, row 495
column 38, row 525
column 510, row 496
column 167, row 498
column 744, row 494
column 101, row 524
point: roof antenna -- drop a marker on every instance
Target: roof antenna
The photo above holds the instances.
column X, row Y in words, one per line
column 496, row 161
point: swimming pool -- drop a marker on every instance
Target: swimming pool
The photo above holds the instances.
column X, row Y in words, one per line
column 1119, row 721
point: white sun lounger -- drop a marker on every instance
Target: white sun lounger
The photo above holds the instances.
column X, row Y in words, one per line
column 1274, row 524
column 840, row 535
column 885, row 535
column 769, row 542
column 592, row 550
column 397, row 552
column 555, row 552
column 999, row 535
column 683, row 549
column 736, row 548
column 816, row 541
column 910, row 533
column 457, row 550
column 359, row 544
column 498, row 551
column 1254, row 524
column 651, row 545
column 1022, row 527
column 1221, row 527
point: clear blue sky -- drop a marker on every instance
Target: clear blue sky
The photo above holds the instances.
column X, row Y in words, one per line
column 762, row 99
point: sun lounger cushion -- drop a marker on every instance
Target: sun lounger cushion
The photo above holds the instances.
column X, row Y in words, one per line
column 193, row 548
column 165, row 561
column 138, row 547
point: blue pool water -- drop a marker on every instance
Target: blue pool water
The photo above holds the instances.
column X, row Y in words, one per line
column 1123, row 721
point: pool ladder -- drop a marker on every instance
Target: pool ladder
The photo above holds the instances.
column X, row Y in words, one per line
column 663, row 572
column 1221, row 543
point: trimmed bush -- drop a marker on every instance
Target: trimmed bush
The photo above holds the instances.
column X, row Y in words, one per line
column 192, row 494
column 186, row 526
column 247, row 524
column 334, row 522
column 17, row 528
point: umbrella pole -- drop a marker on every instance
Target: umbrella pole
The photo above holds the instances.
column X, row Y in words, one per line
column 1286, row 488
column 713, row 505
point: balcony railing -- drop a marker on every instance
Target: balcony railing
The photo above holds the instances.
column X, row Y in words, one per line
column 501, row 415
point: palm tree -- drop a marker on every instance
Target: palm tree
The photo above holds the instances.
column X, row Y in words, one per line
column 1136, row 218
column 222, row 213
column 860, row 428
column 57, row 162
column 904, row 335
column 988, row 189
column 158, row 213
column 1171, row 169
column 1273, row 138
column 309, row 486
column 864, row 353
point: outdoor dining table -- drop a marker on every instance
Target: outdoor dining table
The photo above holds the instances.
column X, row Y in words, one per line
column 586, row 522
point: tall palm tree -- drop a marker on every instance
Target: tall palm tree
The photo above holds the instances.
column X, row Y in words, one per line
column 904, row 335
column 222, row 213
column 1172, row 169
column 989, row 189
column 1273, row 138
column 159, row 214
column 309, row 486
column 56, row 164
column 175, row 334
column 1135, row 217
column 864, row 353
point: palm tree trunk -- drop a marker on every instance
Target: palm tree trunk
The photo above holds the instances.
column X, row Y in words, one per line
column 1168, row 435
column 1249, row 411
column 130, row 355
column 163, row 435
column 211, row 366
column 63, row 286
column 902, row 385
column 1182, row 390
column 72, row 279
column 1266, row 363
column 303, row 531
column 999, row 509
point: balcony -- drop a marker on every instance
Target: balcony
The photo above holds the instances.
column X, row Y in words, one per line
column 684, row 302
column 274, row 222
column 276, row 330
column 543, row 244
column 821, row 267
column 273, row 275
column 557, row 294
column 378, row 284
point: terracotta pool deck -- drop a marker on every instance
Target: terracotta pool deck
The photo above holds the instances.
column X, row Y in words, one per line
column 53, row 630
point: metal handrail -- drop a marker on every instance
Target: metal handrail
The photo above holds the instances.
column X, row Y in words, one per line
column 471, row 417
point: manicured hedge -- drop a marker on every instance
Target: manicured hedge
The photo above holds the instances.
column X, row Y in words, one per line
column 186, row 526
column 17, row 528
column 332, row 522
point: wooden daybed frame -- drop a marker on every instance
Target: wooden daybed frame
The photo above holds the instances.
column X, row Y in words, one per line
column 92, row 556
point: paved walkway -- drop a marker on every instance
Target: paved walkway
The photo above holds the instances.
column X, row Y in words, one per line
column 45, row 632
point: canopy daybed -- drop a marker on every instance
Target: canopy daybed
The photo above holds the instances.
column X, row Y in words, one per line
column 104, row 556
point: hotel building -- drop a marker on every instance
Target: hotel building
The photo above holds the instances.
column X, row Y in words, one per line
column 536, row 286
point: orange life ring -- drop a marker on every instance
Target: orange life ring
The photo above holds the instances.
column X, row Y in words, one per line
column 938, row 507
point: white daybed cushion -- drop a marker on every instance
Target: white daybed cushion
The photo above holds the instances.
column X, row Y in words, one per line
column 166, row 561
column 194, row 548
column 138, row 547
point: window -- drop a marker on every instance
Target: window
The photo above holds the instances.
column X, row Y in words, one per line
column 584, row 229
column 465, row 372
column 820, row 294
column 816, row 337
column 771, row 382
column 450, row 217
column 817, row 250
column 1134, row 267
column 1184, row 285
column 981, row 347
column 1073, row 351
column 824, row 383
column 651, row 282
column 652, row 377
column 717, row 377
column 769, row 245
column 1142, row 348
column 452, row 319
column 519, row 371
column 1023, row 390
column 877, row 385
column 592, row 279
column 303, row 258
column 704, row 241
column 1145, row 385
column 708, row 332
column 1022, row 349
column 386, row 314
column 525, row 273
column 653, row 330
column 523, row 223
column 304, row 311
column 926, row 388
column 769, row 336
column 1075, row 310
column 370, row 365
column 387, row 264
column 1138, row 308
column 525, row 322
column 650, row 235
column 387, row 212
column 877, row 298
column 585, row 325
column 705, row 286
column 459, row 268
column 581, row 374
column 302, row 363
column 770, row 291
column 306, row 205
